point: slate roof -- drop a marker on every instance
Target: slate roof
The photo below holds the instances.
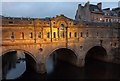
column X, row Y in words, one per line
column 94, row 8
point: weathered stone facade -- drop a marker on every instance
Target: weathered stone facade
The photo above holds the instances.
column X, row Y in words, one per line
column 95, row 13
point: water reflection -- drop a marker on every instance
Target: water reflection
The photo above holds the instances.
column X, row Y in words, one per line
column 18, row 71
column 50, row 65
column 13, row 64
column 94, row 69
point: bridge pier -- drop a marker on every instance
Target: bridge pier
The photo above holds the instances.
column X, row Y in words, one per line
column 80, row 62
column 41, row 68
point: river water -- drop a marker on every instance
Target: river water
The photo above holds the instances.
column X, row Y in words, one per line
column 94, row 69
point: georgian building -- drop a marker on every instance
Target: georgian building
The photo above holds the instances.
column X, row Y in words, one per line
column 95, row 13
column 42, row 30
column 37, row 29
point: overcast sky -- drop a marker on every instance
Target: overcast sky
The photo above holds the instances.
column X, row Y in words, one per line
column 45, row 9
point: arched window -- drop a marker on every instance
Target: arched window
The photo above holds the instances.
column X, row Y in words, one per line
column 48, row 35
column 12, row 35
column 62, row 25
column 81, row 34
column 54, row 35
column 39, row 35
column 115, row 44
column 31, row 35
column 70, row 34
column 75, row 34
column 87, row 34
column 22, row 35
column 62, row 31
column 97, row 34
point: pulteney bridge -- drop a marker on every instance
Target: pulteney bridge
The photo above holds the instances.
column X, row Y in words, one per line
column 39, row 38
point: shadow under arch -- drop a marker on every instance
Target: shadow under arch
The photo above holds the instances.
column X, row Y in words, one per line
column 95, row 65
column 96, row 52
column 11, row 57
column 60, row 55
column 11, row 50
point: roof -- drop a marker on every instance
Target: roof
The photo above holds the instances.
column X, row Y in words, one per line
column 106, row 9
column 94, row 8
column 114, row 9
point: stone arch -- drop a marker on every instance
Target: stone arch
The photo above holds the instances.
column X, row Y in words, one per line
column 58, row 49
column 74, row 54
column 62, row 21
column 96, row 52
column 29, row 53
column 30, row 64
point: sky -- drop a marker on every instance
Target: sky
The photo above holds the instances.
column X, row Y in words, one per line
column 45, row 9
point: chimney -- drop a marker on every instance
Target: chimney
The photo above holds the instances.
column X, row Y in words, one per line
column 88, row 3
column 79, row 6
column 99, row 5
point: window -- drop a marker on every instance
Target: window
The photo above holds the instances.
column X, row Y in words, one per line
column 87, row 34
column 70, row 34
column 97, row 34
column 53, row 22
column 75, row 34
column 63, row 35
column 79, row 17
column 12, row 35
column 62, row 31
column 54, row 35
column 62, row 25
column 30, row 22
column 10, row 22
column 81, row 47
column 106, row 20
column 115, row 44
column 31, row 35
column 81, row 34
column 39, row 35
column 48, row 35
column 101, row 41
column 22, row 35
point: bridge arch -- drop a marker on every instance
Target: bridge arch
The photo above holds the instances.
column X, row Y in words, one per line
column 96, row 52
column 61, row 48
column 27, row 52
column 62, row 54
column 10, row 59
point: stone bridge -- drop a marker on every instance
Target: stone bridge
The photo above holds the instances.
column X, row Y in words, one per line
column 59, row 35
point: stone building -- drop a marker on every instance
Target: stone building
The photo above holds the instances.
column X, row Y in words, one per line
column 95, row 13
